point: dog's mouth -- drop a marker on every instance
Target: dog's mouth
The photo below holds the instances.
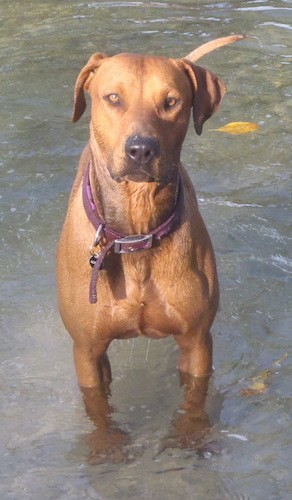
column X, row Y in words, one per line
column 159, row 172
column 138, row 175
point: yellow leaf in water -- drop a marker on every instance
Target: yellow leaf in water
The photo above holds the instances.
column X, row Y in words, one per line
column 238, row 128
column 259, row 386
column 261, row 377
column 258, row 383
column 253, row 391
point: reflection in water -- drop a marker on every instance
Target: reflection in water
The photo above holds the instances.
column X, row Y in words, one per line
column 189, row 429
column 191, row 424
column 243, row 185
column 107, row 443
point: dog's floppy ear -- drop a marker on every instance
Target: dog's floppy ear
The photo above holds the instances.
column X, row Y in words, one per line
column 208, row 91
column 82, row 83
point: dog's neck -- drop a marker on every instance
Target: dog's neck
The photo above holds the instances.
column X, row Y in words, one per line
column 129, row 207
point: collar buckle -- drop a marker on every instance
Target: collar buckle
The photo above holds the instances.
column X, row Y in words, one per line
column 133, row 243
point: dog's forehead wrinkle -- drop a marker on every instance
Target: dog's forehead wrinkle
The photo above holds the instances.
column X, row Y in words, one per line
column 166, row 77
column 120, row 75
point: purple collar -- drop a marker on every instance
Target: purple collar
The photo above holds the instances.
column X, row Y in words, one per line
column 116, row 241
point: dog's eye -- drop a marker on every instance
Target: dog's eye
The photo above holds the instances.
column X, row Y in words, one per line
column 170, row 103
column 113, row 98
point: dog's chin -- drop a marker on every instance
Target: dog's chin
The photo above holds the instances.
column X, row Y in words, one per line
column 135, row 176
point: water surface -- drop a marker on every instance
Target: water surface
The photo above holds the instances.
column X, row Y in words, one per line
column 244, row 191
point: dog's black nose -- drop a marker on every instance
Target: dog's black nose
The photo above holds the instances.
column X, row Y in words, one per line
column 142, row 150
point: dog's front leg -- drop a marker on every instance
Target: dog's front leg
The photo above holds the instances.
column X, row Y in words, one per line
column 195, row 354
column 92, row 364
column 107, row 442
column 191, row 425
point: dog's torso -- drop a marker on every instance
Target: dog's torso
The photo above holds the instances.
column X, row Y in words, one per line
column 158, row 292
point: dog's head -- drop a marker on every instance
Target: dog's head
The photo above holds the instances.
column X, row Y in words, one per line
column 141, row 109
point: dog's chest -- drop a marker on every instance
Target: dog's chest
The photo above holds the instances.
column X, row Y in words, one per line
column 140, row 306
column 151, row 318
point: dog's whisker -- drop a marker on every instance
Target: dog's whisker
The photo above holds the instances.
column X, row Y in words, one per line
column 147, row 351
column 131, row 352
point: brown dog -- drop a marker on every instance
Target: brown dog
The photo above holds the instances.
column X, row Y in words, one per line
column 132, row 193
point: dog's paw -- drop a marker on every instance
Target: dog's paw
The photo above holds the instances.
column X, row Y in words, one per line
column 202, row 443
column 110, row 445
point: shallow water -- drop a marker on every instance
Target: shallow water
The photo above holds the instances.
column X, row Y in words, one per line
column 244, row 191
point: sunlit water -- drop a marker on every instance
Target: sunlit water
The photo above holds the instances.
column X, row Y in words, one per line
column 243, row 187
